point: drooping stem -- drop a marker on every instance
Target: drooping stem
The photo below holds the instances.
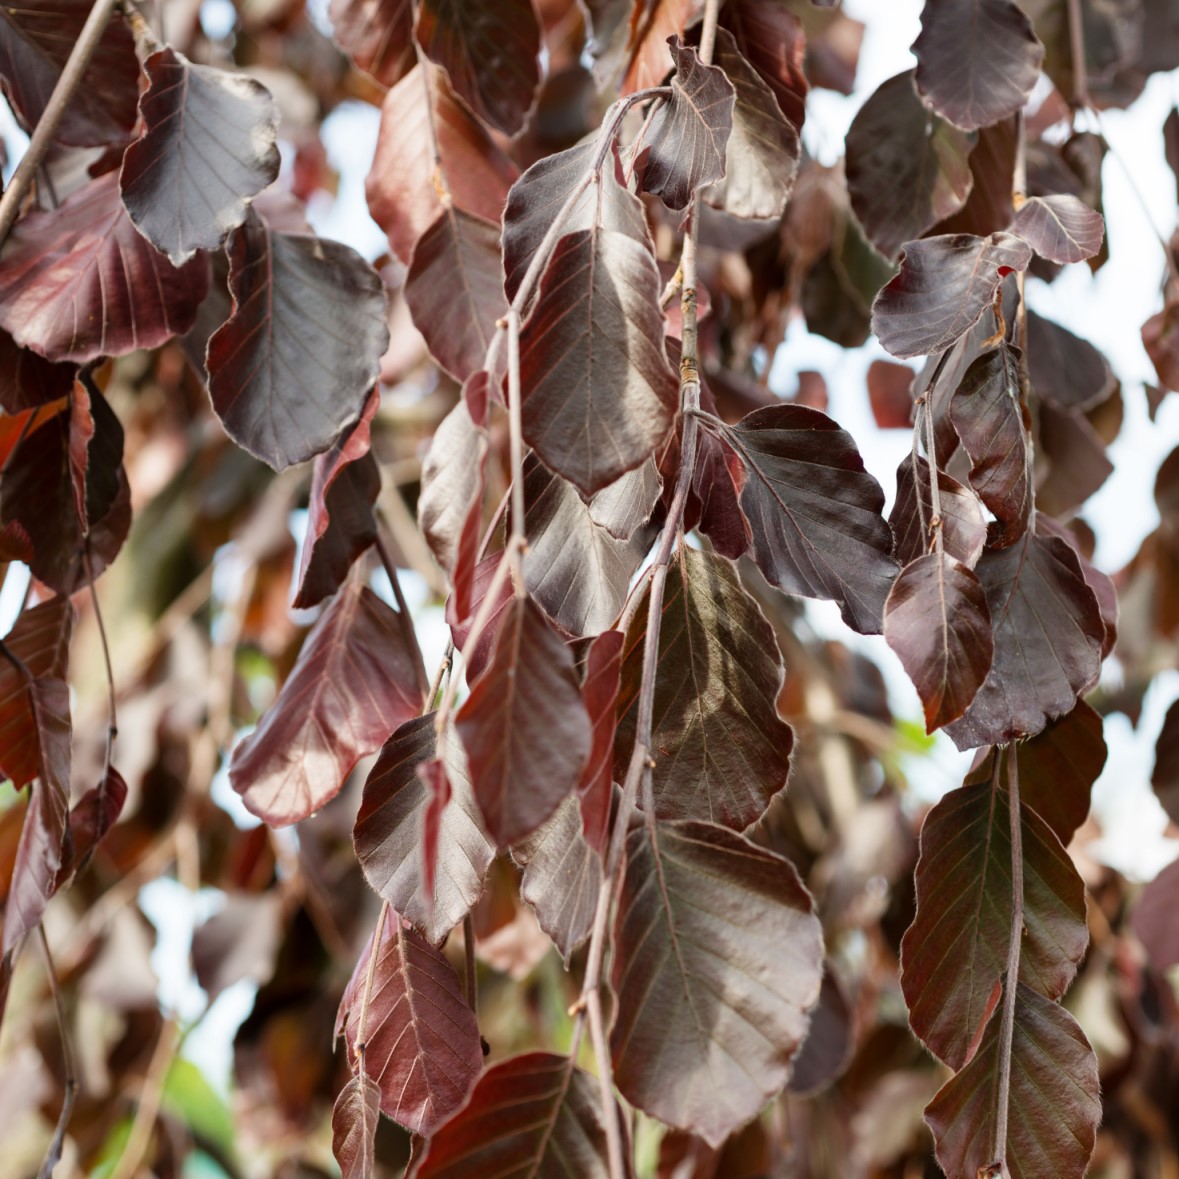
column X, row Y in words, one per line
column 53, row 1154
column 516, row 446
column 112, row 729
column 1076, row 41
column 367, row 995
column 404, row 619
column 472, row 981
column 1011, row 980
column 55, row 109
column 935, row 491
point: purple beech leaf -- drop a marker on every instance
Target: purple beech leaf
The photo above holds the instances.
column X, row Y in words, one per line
column 599, row 692
column 890, row 394
column 936, row 620
column 651, row 30
column 562, row 877
column 490, row 52
column 208, row 147
column 536, row 1115
column 345, row 483
column 1165, row 775
column 401, row 189
column 524, row 727
column 575, row 570
column 1057, row 769
column 907, row 169
column 390, row 825
column 1076, row 463
column 28, row 380
column 721, row 752
column 43, row 846
column 1048, row 636
column 964, row 527
column 460, row 628
column 598, row 391
column 1154, row 921
column 353, row 684
column 1100, row 583
column 422, row 1043
column 433, row 776
column 292, row 367
column 1061, row 228
column 35, row 41
column 537, row 197
column 378, row 36
column 830, row 1040
column 956, row 949
column 451, row 500
column 814, row 512
column 772, row 40
column 989, row 207
column 944, row 286
column 625, row 505
column 80, row 282
column 453, row 289
column 718, row 957
column 1065, row 369
column 977, row 60
column 719, row 471
column 240, row 941
column 40, row 639
column 762, row 153
column 686, row 142
column 91, row 817
column 1055, row 1104
column 986, row 413
column 354, row 1126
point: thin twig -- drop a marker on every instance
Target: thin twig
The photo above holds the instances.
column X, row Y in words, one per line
column 935, row 491
column 516, row 445
column 149, row 1102
column 1076, row 38
column 404, row 618
column 1011, row 981
column 112, row 729
column 53, row 1154
column 55, row 109
column 472, row 982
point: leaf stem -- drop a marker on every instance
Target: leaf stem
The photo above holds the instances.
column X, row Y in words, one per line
column 112, row 729
column 516, row 446
column 1011, row 984
column 404, row 619
column 53, row 1153
column 370, row 975
column 67, row 85
column 472, row 980
column 1076, row 39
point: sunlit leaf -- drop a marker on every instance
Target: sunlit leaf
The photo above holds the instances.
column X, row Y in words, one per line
column 293, row 365
column 650, row 29
column 814, row 511
column 1061, row 228
column 207, row 148
column 421, row 1039
column 772, row 40
column 377, row 35
column 718, row 957
column 354, row 682
column 354, row 1125
column 956, row 949
column 720, row 750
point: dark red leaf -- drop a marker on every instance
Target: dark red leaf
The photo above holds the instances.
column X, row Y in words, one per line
column 686, row 142
column 906, row 168
column 536, row 1114
column 1060, row 228
column 814, row 511
column 599, row 692
column 597, row 312
column 761, row 156
column 490, row 52
column 80, row 282
column 391, row 824
column 378, row 36
column 36, row 37
column 977, row 60
column 562, row 877
column 890, row 392
column 524, row 727
column 345, row 483
column 451, row 500
column 986, row 413
column 625, row 505
column 1048, row 636
column 575, row 570
column 964, row 528
column 651, row 27
column 401, row 189
column 721, row 752
column 936, row 620
column 827, row 1049
column 715, row 487
column 206, row 150
column 1165, row 776
column 718, row 956
column 460, row 628
column 454, row 289
column 92, row 816
column 1074, row 454
column 354, row 1123
column 28, row 380
column 989, row 207
column 292, row 366
column 1154, row 918
column 1171, row 142
column 240, row 941
column 772, row 40
column 353, row 684
column 421, row 1039
column 434, row 778
column 1055, row 1105
column 945, row 285
column 956, row 949
column 1065, row 369
column 1100, row 583
column 1160, row 338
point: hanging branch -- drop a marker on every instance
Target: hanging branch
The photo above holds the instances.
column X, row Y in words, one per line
column 53, row 1153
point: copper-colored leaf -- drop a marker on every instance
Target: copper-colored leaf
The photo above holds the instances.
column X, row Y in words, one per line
column 1165, row 776
column 293, row 365
column 1066, row 369
column 28, row 380
column 599, row 691
column 772, row 40
column 1154, row 918
column 207, row 149
column 718, row 957
column 354, row 683
column 80, row 282
column 524, row 727
column 421, row 1038
column 956, row 949
column 354, row 1125
column 377, row 35
column 890, row 394
column 1060, row 228
column 964, row 527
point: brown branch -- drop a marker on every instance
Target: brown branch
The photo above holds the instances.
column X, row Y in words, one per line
column 1076, row 39
column 149, row 1102
column 472, row 981
column 112, row 729
column 53, row 1153
column 55, row 108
